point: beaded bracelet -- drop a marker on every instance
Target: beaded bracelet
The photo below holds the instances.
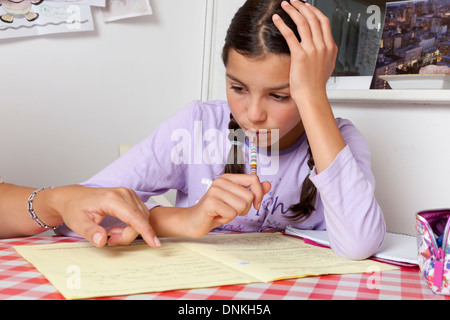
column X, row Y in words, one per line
column 33, row 214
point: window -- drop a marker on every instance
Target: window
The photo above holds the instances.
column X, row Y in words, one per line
column 357, row 26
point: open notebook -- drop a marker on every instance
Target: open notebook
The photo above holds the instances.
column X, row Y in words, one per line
column 79, row 270
column 397, row 248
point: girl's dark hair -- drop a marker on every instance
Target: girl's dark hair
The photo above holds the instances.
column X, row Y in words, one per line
column 253, row 34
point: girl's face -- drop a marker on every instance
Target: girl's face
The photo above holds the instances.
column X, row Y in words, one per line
column 259, row 98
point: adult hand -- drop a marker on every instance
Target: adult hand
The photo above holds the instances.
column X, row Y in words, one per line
column 83, row 208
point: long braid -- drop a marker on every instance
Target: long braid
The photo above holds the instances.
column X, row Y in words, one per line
column 306, row 206
column 235, row 160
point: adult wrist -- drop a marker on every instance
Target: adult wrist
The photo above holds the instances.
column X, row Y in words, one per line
column 40, row 209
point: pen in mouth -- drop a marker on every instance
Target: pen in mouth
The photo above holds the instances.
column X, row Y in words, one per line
column 253, row 152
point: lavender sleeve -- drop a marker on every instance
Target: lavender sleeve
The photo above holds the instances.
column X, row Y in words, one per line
column 147, row 168
column 354, row 220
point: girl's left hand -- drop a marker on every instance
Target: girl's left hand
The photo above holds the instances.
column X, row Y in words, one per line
column 312, row 63
column 312, row 59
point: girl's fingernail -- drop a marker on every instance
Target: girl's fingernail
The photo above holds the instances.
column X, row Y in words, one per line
column 97, row 238
column 157, row 242
column 276, row 17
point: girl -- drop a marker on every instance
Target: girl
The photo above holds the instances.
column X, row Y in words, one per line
column 278, row 58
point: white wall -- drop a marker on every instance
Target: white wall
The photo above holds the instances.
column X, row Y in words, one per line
column 410, row 156
column 68, row 101
column 220, row 15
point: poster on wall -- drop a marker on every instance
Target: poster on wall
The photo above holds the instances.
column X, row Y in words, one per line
column 96, row 3
column 415, row 46
column 122, row 9
column 38, row 17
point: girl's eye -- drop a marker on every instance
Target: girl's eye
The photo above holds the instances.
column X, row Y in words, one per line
column 237, row 89
column 280, row 98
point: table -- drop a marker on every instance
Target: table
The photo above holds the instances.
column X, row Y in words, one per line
column 20, row 280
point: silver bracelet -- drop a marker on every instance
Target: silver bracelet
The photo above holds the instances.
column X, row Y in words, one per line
column 33, row 214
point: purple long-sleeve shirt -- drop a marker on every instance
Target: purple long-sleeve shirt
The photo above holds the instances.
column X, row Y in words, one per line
column 189, row 150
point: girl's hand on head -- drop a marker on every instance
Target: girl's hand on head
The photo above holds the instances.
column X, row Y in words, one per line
column 312, row 59
column 229, row 196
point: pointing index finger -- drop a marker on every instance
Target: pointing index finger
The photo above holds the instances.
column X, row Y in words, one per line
column 135, row 214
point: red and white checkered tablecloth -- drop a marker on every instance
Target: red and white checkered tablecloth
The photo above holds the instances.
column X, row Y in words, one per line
column 20, row 280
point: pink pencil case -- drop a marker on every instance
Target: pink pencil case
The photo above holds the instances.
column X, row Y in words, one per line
column 434, row 248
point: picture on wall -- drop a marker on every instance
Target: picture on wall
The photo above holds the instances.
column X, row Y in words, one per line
column 415, row 44
column 42, row 17
column 122, row 9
